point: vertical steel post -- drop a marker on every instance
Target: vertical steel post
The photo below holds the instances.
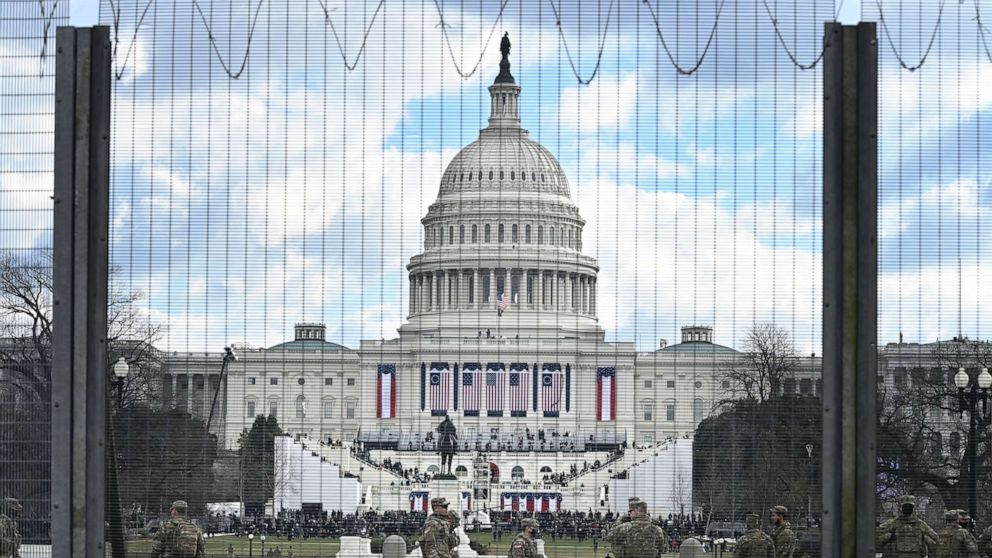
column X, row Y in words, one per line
column 81, row 257
column 850, row 87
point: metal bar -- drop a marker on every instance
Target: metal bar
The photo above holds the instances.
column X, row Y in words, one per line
column 849, row 289
column 82, row 167
column 867, row 288
column 62, row 273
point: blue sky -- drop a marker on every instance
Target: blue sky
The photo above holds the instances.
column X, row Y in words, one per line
column 702, row 193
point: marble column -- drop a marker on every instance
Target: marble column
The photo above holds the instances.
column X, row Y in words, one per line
column 172, row 396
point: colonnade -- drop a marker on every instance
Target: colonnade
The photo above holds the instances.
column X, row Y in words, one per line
column 533, row 289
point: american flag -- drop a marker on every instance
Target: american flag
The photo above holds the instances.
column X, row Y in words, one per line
column 494, row 389
column 518, row 390
column 440, row 382
column 551, row 384
column 606, row 394
column 504, row 303
column 385, row 387
column 471, row 389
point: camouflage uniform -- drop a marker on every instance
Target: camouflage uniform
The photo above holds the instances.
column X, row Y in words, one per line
column 524, row 546
column 638, row 538
column 167, row 538
column 954, row 541
column 783, row 536
column 453, row 541
column 905, row 536
column 754, row 543
column 10, row 539
column 435, row 538
column 985, row 542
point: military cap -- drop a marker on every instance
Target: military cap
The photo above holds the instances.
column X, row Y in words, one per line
column 963, row 514
column 12, row 503
column 180, row 506
column 633, row 499
column 439, row 501
column 639, row 505
column 529, row 522
column 907, row 499
column 952, row 515
column 781, row 510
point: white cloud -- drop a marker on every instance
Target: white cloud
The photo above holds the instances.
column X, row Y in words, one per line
column 607, row 102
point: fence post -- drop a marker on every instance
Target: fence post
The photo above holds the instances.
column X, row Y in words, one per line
column 850, row 288
column 80, row 271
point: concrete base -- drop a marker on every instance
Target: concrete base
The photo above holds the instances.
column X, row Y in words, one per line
column 356, row 547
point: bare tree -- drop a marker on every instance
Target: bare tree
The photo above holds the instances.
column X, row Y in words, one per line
column 767, row 359
column 26, row 327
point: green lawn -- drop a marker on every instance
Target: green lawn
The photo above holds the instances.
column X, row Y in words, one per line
column 328, row 548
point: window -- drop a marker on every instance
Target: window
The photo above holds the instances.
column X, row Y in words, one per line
column 485, row 287
column 670, row 384
column 487, row 234
column 899, row 377
column 499, row 233
column 251, row 381
column 501, row 175
column 698, row 410
column 440, row 236
column 523, row 176
column 954, row 444
column 648, row 412
column 517, row 473
column 470, row 176
column 471, row 289
column 475, row 234
column 301, row 406
column 569, row 237
column 250, row 408
column 461, row 234
column 513, row 175
column 328, row 381
column 198, row 382
column 527, row 234
column 273, row 408
column 648, row 384
column 301, row 381
column 670, row 412
column 350, row 381
column 790, row 386
column 540, row 234
column 451, row 235
column 328, row 409
column 349, row 409
column 725, row 384
column 551, row 237
column 490, row 175
column 805, row 386
column 513, row 234
column 697, row 384
column 461, row 471
column 273, row 381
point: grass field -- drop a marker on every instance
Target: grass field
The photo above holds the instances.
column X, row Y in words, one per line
column 328, row 548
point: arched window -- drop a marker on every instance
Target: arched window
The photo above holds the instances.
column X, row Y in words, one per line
column 698, row 410
column 475, row 234
column 546, row 469
column 513, row 234
column 432, row 470
column 517, row 473
column 490, row 175
column 301, row 406
column 461, row 471
column 513, row 175
column 527, row 234
column 523, row 176
column 569, row 237
column 499, row 233
column 250, row 407
column 461, row 234
column 461, row 177
column 551, row 236
column 451, row 235
column 533, row 176
column 274, row 407
column 470, row 176
column 440, row 236
column 501, row 175
column 486, row 233
column 540, row 234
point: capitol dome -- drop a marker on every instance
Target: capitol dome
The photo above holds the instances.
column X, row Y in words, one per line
column 503, row 240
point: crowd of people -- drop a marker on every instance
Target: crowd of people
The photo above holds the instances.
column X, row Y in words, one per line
column 539, row 440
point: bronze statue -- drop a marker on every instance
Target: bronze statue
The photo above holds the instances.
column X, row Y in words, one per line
column 504, row 45
column 447, row 443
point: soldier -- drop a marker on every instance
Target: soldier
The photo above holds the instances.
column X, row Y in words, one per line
column 630, row 505
column 638, row 538
column 453, row 542
column 179, row 537
column 755, row 543
column 985, row 542
column 10, row 539
column 905, row 536
column 435, row 536
column 954, row 541
column 524, row 545
column 782, row 535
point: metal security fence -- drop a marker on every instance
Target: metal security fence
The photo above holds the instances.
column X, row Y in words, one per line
column 27, row 87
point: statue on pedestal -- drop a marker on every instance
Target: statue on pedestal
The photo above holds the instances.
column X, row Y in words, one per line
column 447, row 444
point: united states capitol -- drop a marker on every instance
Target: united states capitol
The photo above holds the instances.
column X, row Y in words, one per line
column 502, row 336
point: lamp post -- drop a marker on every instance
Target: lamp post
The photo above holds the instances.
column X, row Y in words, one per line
column 251, row 541
column 973, row 396
column 809, row 494
column 262, row 538
column 121, row 370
